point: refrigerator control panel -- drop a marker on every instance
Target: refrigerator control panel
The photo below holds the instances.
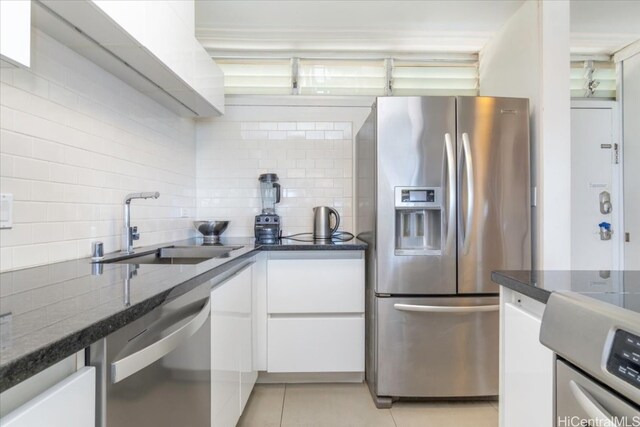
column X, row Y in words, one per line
column 418, row 197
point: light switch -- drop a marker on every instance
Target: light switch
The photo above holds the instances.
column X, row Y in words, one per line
column 6, row 210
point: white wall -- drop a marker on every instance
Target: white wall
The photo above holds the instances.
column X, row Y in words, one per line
column 530, row 58
column 309, row 146
column 74, row 141
column 631, row 158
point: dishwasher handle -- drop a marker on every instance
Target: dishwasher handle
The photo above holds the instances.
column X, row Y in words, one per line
column 129, row 365
column 446, row 308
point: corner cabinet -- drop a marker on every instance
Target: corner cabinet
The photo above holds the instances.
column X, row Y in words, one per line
column 526, row 366
column 232, row 373
column 315, row 312
column 150, row 45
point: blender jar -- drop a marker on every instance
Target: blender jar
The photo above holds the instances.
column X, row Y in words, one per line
column 270, row 192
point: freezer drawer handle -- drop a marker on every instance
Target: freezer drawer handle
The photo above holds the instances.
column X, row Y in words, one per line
column 139, row 360
column 594, row 410
column 445, row 308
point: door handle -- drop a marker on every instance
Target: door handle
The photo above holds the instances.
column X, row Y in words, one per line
column 594, row 410
column 468, row 161
column 129, row 365
column 451, row 202
column 446, row 308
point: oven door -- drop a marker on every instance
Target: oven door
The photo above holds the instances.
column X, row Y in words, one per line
column 581, row 401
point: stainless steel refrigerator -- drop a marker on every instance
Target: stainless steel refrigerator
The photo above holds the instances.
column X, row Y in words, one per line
column 443, row 198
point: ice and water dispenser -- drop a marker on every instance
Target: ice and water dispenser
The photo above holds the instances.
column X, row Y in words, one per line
column 418, row 220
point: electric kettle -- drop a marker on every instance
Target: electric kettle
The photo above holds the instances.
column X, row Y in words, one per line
column 322, row 222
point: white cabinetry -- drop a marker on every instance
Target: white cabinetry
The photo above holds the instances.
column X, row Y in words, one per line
column 15, row 33
column 59, row 396
column 148, row 44
column 315, row 305
column 526, row 366
column 232, row 372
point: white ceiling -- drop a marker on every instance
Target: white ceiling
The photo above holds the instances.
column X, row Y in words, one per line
column 222, row 26
column 604, row 26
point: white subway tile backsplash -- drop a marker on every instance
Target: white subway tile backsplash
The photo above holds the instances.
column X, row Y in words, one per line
column 15, row 144
column 315, row 135
column 74, row 141
column 268, row 126
column 312, row 168
column 26, row 212
column 298, row 134
column 324, row 126
column 334, row 134
column 286, row 126
column 28, row 255
column 277, row 135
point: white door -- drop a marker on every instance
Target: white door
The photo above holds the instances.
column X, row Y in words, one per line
column 631, row 134
column 594, row 182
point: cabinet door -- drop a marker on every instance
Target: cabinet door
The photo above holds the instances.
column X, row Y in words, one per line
column 231, row 349
column 527, row 397
column 248, row 374
column 316, row 344
column 314, row 282
column 15, row 32
column 70, row 403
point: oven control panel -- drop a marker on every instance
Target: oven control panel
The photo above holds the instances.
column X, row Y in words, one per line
column 624, row 358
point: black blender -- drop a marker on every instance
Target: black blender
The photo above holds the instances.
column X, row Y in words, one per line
column 267, row 225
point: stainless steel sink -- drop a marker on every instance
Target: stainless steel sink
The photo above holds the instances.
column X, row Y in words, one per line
column 175, row 255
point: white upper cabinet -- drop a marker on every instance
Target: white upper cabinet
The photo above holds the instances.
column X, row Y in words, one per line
column 15, row 33
column 149, row 44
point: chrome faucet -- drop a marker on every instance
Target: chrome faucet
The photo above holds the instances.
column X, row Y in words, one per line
column 129, row 233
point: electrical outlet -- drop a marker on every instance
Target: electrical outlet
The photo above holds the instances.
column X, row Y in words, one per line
column 184, row 213
column 6, row 210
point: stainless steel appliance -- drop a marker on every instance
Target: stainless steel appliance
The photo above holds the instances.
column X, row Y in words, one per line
column 443, row 199
column 211, row 230
column 157, row 369
column 597, row 346
column 322, row 229
column 267, row 225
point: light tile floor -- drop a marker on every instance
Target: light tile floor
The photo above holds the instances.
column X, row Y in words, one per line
column 350, row 405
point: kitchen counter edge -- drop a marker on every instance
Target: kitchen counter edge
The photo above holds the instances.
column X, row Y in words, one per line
column 523, row 285
column 22, row 368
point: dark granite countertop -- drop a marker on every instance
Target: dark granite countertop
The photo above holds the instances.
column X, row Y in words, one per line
column 620, row 288
column 50, row 312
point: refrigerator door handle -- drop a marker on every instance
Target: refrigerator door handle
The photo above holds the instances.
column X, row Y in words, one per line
column 445, row 308
column 468, row 161
column 451, row 208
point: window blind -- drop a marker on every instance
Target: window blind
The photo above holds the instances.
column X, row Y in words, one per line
column 371, row 77
column 261, row 77
column 434, row 78
column 342, row 77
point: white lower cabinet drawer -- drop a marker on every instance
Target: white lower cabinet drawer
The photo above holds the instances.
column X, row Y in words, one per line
column 316, row 344
column 316, row 283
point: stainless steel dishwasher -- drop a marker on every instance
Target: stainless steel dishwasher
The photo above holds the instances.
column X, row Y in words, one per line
column 156, row 370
